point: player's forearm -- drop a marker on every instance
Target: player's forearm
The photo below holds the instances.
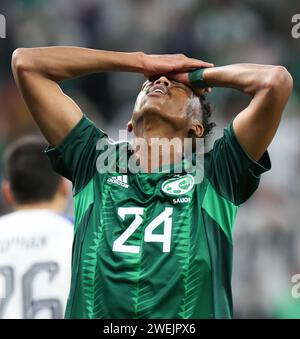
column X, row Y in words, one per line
column 60, row 63
column 249, row 78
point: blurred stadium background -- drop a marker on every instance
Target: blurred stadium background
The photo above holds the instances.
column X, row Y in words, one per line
column 267, row 231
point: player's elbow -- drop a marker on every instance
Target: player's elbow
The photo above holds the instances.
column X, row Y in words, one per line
column 21, row 61
column 282, row 78
column 279, row 80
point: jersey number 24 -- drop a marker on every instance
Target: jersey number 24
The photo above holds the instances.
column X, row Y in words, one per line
column 165, row 238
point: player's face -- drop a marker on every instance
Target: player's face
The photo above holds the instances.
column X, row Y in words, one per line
column 166, row 98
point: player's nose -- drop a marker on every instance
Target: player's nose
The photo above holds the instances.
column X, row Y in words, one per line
column 162, row 81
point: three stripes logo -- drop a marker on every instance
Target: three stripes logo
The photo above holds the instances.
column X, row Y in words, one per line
column 121, row 180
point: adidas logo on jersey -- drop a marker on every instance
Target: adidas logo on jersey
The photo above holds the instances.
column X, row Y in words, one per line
column 121, row 180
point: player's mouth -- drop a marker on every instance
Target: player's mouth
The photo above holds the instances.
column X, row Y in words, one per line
column 158, row 90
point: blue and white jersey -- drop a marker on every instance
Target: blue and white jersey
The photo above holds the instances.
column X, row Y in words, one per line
column 35, row 264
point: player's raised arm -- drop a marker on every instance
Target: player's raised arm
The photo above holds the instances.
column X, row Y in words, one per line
column 269, row 87
column 37, row 72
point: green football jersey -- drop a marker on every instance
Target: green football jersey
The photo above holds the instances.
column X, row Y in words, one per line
column 153, row 245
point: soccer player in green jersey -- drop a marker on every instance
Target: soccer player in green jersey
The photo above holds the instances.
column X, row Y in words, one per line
column 153, row 245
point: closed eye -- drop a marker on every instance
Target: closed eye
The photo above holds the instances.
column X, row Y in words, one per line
column 181, row 86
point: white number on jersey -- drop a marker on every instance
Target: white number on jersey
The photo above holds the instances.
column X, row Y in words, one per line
column 119, row 243
column 165, row 238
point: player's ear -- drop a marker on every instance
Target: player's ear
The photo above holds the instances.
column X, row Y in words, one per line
column 7, row 193
column 197, row 129
column 129, row 126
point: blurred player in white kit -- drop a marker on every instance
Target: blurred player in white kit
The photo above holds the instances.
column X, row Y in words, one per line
column 36, row 239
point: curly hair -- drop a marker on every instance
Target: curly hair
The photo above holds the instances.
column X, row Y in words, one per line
column 206, row 112
column 200, row 110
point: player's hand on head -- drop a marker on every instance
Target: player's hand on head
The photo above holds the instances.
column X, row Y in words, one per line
column 166, row 63
column 183, row 77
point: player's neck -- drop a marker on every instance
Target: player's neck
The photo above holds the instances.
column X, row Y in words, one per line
column 155, row 126
column 157, row 135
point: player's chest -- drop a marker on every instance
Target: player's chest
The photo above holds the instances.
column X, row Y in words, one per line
column 141, row 214
column 124, row 190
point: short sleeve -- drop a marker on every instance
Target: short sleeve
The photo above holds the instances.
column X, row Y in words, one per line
column 230, row 170
column 75, row 157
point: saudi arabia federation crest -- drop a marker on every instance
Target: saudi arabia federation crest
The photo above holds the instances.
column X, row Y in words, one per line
column 178, row 186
